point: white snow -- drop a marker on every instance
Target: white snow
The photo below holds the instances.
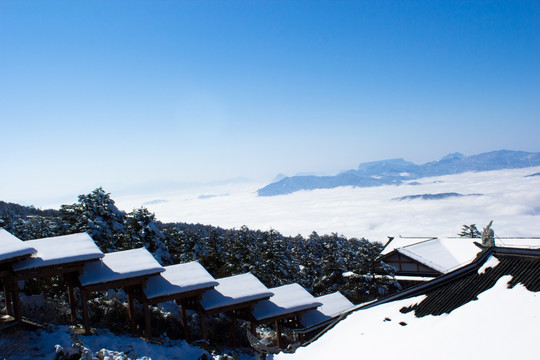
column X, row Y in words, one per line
column 400, row 242
column 287, row 299
column 443, row 255
column 490, row 263
column 501, row 324
column 332, row 306
column 531, row 243
column 60, row 250
column 177, row 279
column 12, row 247
column 41, row 345
column 413, row 278
column 120, row 265
column 234, row 290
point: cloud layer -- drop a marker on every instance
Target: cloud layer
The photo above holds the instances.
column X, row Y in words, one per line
column 510, row 198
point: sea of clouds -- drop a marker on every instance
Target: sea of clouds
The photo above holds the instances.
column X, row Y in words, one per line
column 509, row 197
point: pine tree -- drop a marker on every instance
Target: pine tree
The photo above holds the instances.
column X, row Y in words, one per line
column 97, row 214
column 470, row 231
column 143, row 231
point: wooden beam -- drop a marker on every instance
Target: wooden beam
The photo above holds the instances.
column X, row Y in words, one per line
column 278, row 335
column 233, row 330
column 178, row 297
column 131, row 309
column 7, row 295
column 72, row 302
column 253, row 327
column 202, row 323
column 16, row 299
column 86, row 318
column 183, row 313
column 147, row 320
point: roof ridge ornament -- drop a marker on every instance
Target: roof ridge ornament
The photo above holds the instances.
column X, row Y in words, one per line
column 488, row 236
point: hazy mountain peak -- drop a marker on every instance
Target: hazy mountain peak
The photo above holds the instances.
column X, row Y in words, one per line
column 383, row 163
column 453, row 156
column 396, row 171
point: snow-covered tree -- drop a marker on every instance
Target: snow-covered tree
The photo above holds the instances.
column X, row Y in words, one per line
column 97, row 214
column 470, row 231
column 142, row 230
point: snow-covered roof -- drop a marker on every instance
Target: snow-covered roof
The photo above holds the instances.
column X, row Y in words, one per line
column 120, row 265
column 527, row 243
column 177, row 279
column 507, row 311
column 443, row 255
column 287, row 299
column 60, row 250
column 413, row 278
column 399, row 242
column 332, row 306
column 234, row 290
column 12, row 247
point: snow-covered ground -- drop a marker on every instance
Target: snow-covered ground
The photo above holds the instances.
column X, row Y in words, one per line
column 509, row 197
column 501, row 324
column 44, row 344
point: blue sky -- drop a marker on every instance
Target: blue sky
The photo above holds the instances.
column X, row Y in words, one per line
column 117, row 93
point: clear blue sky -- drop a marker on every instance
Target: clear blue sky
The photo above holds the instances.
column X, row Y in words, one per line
column 116, row 93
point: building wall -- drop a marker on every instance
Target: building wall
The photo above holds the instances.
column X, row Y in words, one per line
column 406, row 266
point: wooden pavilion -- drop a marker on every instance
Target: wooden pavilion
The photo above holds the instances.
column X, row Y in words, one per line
column 183, row 283
column 65, row 255
column 235, row 296
column 128, row 269
column 284, row 308
column 12, row 250
column 333, row 306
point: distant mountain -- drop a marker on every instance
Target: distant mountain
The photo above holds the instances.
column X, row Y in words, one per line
column 396, row 171
column 433, row 196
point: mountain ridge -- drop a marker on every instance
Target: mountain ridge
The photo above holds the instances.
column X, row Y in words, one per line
column 396, row 171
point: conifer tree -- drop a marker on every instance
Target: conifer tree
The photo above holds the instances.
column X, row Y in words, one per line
column 470, row 231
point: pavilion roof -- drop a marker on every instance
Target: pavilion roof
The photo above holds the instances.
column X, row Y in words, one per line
column 233, row 291
column 178, row 279
column 332, row 306
column 287, row 299
column 60, row 250
column 11, row 247
column 120, row 265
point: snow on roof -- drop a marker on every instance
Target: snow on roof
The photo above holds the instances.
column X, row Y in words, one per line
column 60, row 250
column 12, row 247
column 413, row 278
column 177, row 279
column 120, row 265
column 509, row 316
column 287, row 299
column 332, row 306
column 530, row 243
column 399, row 242
column 235, row 290
column 443, row 255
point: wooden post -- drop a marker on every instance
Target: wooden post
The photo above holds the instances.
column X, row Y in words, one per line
column 253, row 328
column 72, row 302
column 202, row 322
column 131, row 309
column 147, row 320
column 16, row 299
column 86, row 318
column 7, row 295
column 233, row 330
column 278, row 334
column 184, row 319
